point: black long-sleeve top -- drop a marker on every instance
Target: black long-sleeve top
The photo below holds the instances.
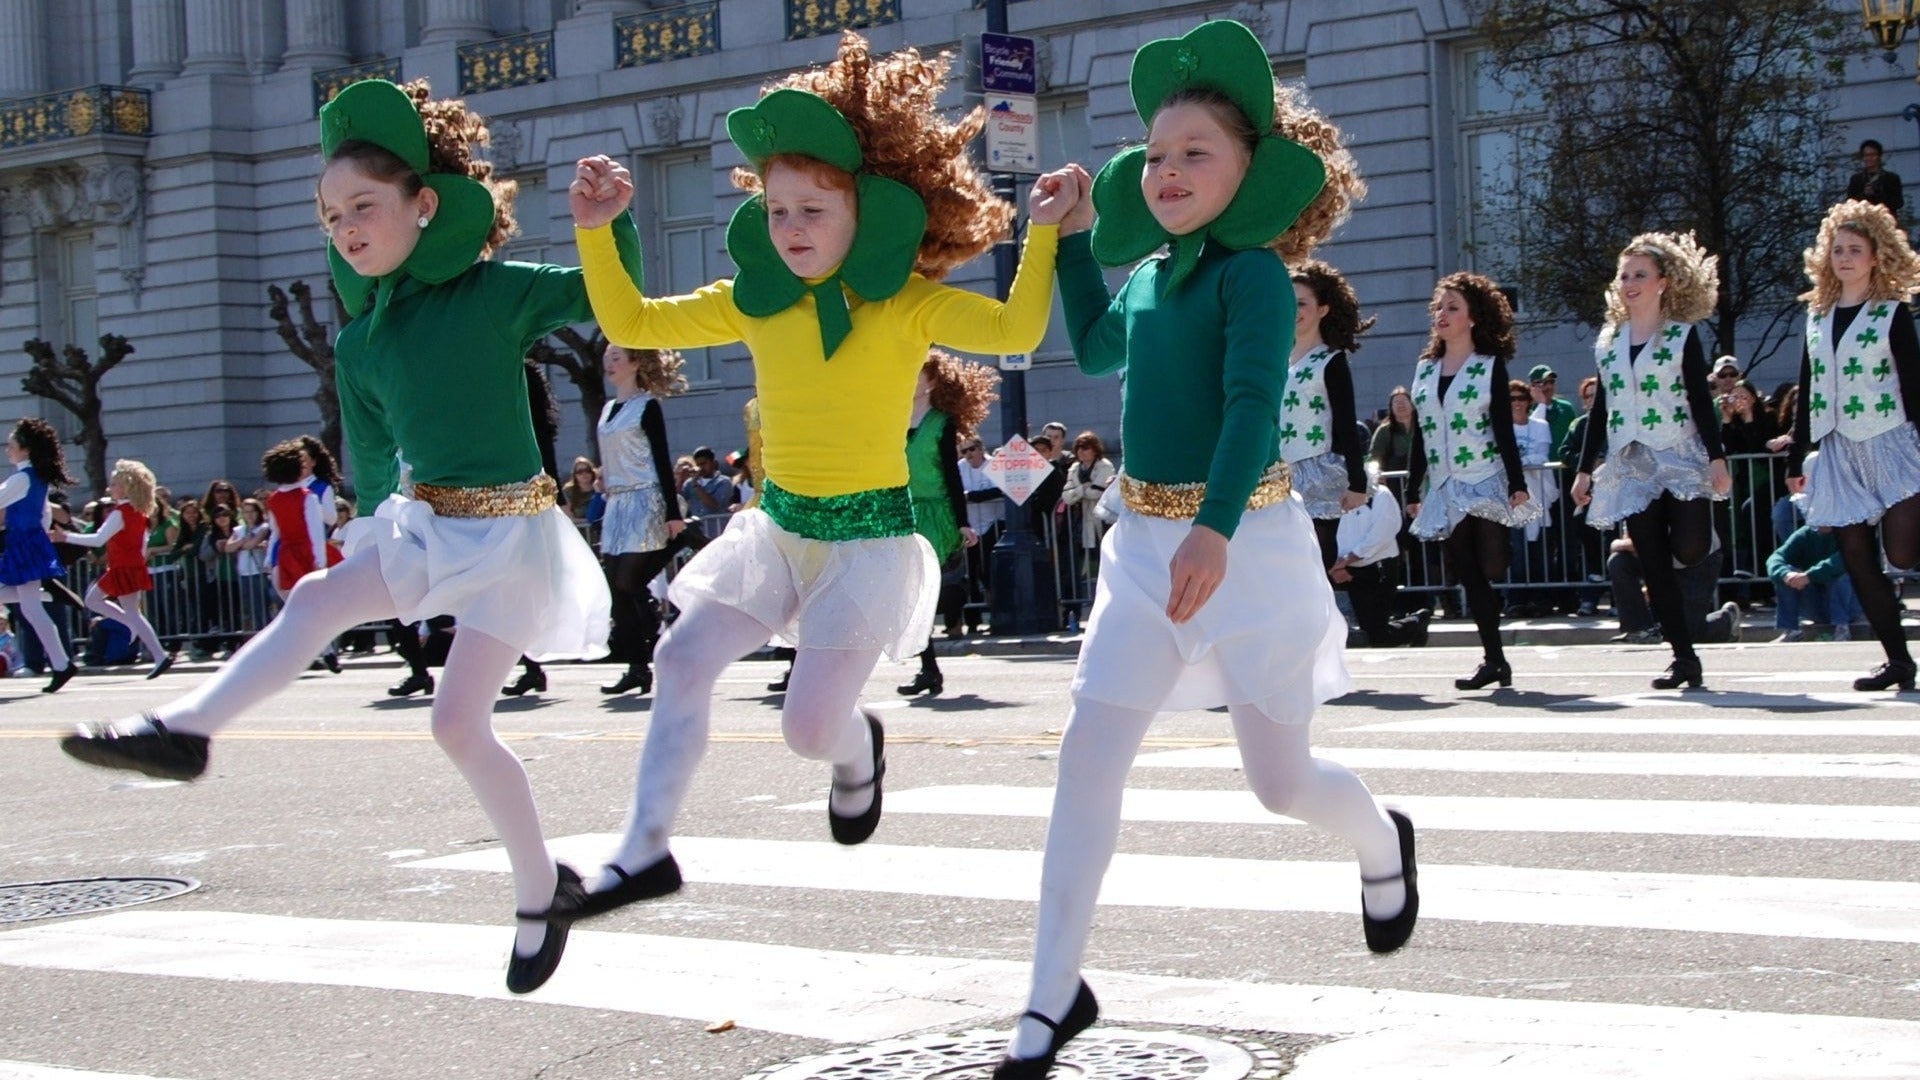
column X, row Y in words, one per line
column 1500, row 425
column 1346, row 432
column 950, row 474
column 1706, row 416
column 1905, row 344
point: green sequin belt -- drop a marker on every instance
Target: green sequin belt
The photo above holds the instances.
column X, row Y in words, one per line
column 861, row 515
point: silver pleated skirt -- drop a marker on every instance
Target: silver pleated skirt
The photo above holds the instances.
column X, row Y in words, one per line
column 1850, row 482
column 1320, row 481
column 1631, row 479
column 1452, row 500
column 635, row 521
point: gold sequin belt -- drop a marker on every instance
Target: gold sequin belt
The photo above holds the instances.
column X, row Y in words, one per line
column 1181, row 502
column 527, row 498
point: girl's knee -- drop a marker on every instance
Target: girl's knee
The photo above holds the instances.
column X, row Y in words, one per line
column 459, row 737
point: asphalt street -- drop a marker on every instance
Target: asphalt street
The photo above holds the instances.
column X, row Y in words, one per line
column 1616, row 882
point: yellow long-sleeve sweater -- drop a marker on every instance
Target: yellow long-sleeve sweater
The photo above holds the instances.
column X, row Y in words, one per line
column 830, row 427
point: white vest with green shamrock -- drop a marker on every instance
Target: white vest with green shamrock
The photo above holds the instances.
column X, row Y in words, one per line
column 1306, row 416
column 1647, row 398
column 1454, row 426
column 1851, row 385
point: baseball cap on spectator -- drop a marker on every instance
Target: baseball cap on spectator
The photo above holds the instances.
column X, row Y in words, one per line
column 1726, row 364
column 1541, row 373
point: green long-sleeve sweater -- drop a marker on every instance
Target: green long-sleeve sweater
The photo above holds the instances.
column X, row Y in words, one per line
column 1206, row 366
column 440, row 380
column 1814, row 553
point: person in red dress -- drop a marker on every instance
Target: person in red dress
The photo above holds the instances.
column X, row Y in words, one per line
column 124, row 534
column 296, row 517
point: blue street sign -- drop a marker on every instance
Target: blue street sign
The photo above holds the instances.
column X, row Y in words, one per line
column 1008, row 64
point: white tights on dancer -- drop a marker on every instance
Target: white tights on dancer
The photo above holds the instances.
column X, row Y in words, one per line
column 35, row 612
column 126, row 612
column 820, row 721
column 1096, row 753
column 329, row 601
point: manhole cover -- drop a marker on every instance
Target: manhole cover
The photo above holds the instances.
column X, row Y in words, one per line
column 1107, row 1054
column 54, row 899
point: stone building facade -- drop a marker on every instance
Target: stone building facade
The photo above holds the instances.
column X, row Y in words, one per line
column 158, row 159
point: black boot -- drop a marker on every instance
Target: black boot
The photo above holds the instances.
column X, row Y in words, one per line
column 1489, row 672
column 1887, row 675
column 638, row 677
column 418, row 682
column 928, row 682
column 533, row 678
column 1684, row 671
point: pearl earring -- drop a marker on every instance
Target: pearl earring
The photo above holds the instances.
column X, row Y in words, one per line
column 424, row 219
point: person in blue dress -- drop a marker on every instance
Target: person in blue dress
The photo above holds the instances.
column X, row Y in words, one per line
column 29, row 558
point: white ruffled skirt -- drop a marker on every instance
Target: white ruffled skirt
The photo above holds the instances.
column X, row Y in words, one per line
column 1269, row 636
column 531, row 582
column 818, row 594
column 1452, row 500
column 1852, row 481
column 1633, row 477
column 1320, row 481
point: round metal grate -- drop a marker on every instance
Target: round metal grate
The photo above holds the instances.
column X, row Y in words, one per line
column 78, row 896
column 1108, row 1054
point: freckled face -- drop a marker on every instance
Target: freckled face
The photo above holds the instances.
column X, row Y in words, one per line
column 1194, row 168
column 374, row 224
column 812, row 224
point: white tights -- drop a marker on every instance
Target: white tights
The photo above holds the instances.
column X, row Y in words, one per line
column 124, row 610
column 329, row 601
column 35, row 612
column 820, row 721
column 1096, row 753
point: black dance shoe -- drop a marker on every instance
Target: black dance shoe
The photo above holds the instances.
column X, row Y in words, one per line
column 1386, row 935
column 1489, row 672
column 530, row 679
column 927, row 682
column 1684, row 671
column 1885, row 676
column 525, row 974
column 331, row 661
column 638, row 677
column 159, row 753
column 779, row 685
column 412, row 684
column 854, row 830
column 160, row 666
column 1415, row 624
column 1078, row 1019
column 61, row 678
column 659, row 878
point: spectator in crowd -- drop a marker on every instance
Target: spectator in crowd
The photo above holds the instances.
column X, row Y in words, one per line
column 1557, row 411
column 986, row 509
column 247, row 547
column 1809, row 576
column 220, row 493
column 1745, row 430
column 1393, row 439
column 1588, row 541
column 1087, row 480
column 742, row 477
column 684, row 471
column 708, row 494
column 1528, row 562
column 183, row 583
column 1873, row 183
column 1726, row 372
column 1699, row 584
column 1786, row 512
column 1367, row 542
column 578, row 489
column 1044, row 511
column 220, row 615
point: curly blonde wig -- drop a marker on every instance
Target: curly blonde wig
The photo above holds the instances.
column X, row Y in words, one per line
column 1896, row 269
column 1296, row 119
column 893, row 104
column 962, row 390
column 1693, row 279
column 137, row 480
column 1487, row 308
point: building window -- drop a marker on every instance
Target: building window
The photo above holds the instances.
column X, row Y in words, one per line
column 1495, row 123
column 1064, row 137
column 689, row 243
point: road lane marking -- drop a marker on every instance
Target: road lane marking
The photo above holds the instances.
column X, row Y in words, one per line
column 1638, row 723
column 1856, row 910
column 1588, row 762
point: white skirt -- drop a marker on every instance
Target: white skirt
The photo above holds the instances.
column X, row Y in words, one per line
column 531, row 582
column 1852, row 481
column 1631, row 479
column 1269, row 636
column 818, row 594
column 1452, row 500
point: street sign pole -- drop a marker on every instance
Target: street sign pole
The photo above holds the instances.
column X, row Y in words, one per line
column 1024, row 593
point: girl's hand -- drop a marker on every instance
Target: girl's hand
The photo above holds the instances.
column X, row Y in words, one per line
column 1080, row 217
column 1352, row 500
column 601, row 191
column 1198, row 568
column 1053, row 195
column 57, row 534
column 1719, row 477
column 968, row 538
column 1413, row 510
column 1779, row 443
column 675, row 528
column 1796, row 485
column 1582, row 490
column 1518, row 499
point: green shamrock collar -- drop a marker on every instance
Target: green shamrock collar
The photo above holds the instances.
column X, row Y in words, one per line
column 378, row 112
column 1282, row 178
column 886, row 240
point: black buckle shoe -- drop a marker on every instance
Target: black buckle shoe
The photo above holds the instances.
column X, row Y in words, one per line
column 1086, row 1009
column 526, row 974
column 1684, row 671
column 160, row 666
column 636, row 678
column 160, row 753
column 1386, row 935
column 855, row 830
column 1885, row 676
column 331, row 661
column 412, row 684
column 657, row 879
column 927, row 682
column 531, row 679
column 1489, row 672
column 61, row 678
column 779, row 685
column 1415, row 625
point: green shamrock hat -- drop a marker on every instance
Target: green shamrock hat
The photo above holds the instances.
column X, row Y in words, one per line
column 1282, row 178
column 892, row 219
column 378, row 112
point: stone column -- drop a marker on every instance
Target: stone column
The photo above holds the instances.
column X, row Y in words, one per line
column 617, row 7
column 159, row 41
column 216, row 38
column 23, row 48
column 455, row 22
column 316, row 33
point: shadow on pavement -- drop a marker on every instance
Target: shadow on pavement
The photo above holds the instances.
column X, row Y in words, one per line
column 1386, row 702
